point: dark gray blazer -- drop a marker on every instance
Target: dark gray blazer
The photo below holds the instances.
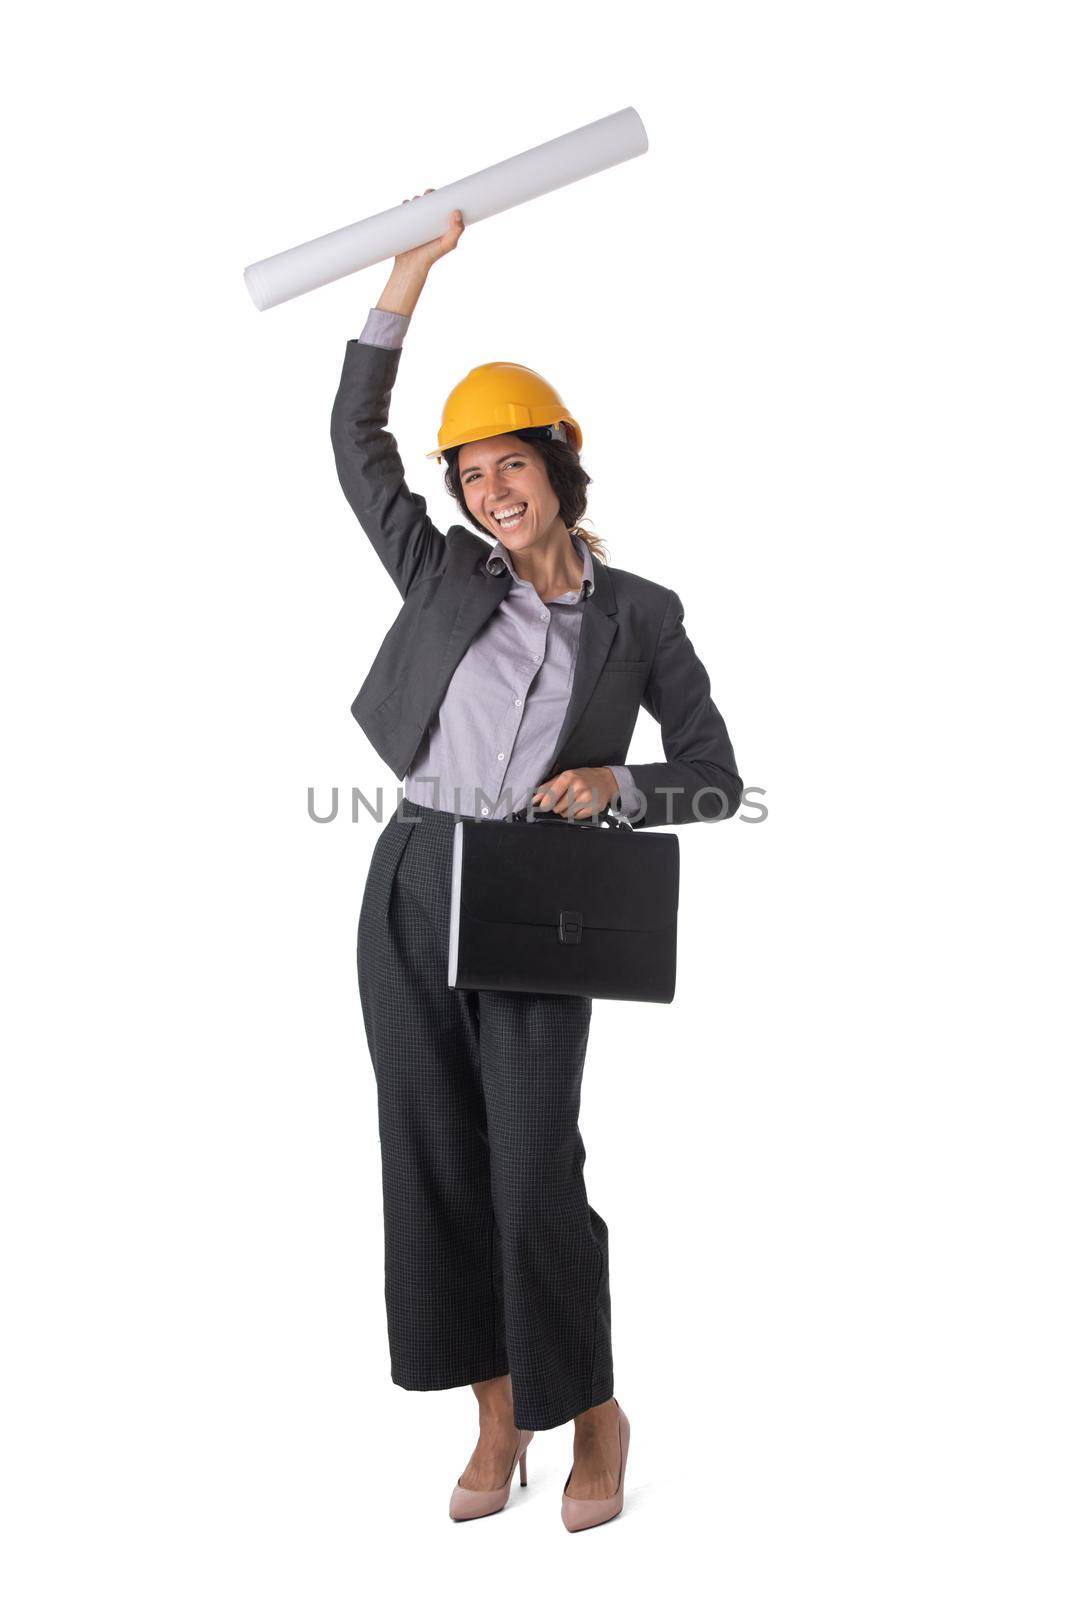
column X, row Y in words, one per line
column 633, row 650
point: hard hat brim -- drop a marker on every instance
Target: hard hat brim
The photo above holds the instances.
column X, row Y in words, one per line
column 472, row 435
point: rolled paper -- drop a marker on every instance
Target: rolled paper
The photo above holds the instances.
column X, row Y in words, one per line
column 593, row 148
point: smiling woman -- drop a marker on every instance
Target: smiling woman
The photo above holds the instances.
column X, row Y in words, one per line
column 539, row 465
column 512, row 677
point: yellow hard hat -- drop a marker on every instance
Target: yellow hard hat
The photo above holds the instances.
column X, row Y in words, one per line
column 501, row 397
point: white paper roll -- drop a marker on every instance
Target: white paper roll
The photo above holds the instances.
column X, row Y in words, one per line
column 549, row 166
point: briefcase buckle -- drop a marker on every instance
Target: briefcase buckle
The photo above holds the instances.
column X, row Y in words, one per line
column 570, row 927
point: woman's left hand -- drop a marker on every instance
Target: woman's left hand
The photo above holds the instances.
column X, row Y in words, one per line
column 588, row 790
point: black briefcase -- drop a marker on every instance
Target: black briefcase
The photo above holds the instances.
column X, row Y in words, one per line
column 553, row 905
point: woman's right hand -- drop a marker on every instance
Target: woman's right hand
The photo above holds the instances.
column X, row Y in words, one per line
column 422, row 257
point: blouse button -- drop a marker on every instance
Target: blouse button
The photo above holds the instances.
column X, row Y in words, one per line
column 500, row 755
column 485, row 811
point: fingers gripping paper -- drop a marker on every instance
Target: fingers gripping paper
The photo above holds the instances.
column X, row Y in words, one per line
column 599, row 145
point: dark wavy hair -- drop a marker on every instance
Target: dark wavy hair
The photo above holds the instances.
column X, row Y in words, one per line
column 566, row 475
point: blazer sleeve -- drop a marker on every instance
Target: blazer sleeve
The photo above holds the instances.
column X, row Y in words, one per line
column 372, row 473
column 698, row 781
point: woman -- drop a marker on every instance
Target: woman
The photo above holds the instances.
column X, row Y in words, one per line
column 512, row 676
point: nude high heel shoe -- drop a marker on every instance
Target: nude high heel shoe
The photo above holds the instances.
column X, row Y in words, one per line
column 468, row 1503
column 578, row 1514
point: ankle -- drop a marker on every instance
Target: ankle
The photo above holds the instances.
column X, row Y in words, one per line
column 598, row 1419
column 494, row 1420
column 496, row 1409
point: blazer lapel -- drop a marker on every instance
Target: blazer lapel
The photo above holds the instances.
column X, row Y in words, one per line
column 482, row 593
column 599, row 628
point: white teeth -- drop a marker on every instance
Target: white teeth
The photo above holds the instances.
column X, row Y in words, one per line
column 510, row 516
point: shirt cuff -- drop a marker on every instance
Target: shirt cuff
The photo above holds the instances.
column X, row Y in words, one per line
column 627, row 802
column 385, row 328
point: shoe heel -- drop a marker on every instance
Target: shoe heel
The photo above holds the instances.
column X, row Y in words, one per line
column 522, row 1469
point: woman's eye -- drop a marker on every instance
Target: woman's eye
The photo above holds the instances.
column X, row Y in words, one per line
column 475, row 476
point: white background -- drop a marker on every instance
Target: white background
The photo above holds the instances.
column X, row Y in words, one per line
column 815, row 338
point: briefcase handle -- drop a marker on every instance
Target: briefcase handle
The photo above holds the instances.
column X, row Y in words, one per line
column 609, row 816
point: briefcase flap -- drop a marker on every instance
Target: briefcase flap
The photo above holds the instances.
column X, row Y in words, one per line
column 519, row 872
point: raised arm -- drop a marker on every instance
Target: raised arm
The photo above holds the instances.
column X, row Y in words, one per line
column 368, row 462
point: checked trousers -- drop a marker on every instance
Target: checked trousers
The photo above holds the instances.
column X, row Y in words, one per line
column 494, row 1260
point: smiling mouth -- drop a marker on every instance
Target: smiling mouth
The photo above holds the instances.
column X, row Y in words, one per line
column 509, row 522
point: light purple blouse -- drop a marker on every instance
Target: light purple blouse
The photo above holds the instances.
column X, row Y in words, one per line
column 486, row 750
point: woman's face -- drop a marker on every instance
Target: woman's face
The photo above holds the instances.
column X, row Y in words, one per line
column 505, row 474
